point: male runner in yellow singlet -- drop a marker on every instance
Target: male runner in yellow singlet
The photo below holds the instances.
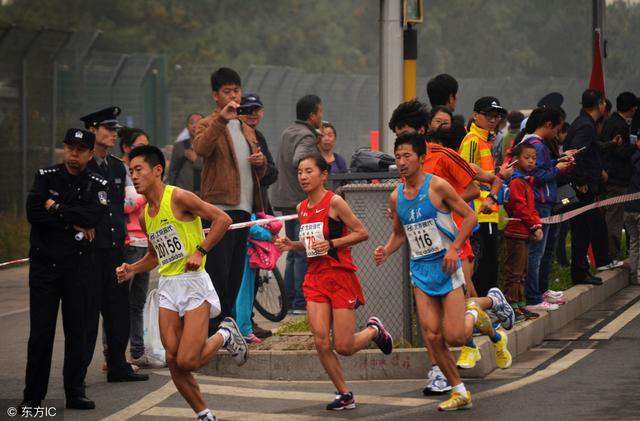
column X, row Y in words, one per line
column 172, row 222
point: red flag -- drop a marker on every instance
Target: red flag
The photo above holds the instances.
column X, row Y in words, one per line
column 597, row 71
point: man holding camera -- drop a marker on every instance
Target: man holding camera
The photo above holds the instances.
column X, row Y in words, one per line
column 233, row 166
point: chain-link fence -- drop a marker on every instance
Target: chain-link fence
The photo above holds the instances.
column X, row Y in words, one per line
column 48, row 79
column 387, row 288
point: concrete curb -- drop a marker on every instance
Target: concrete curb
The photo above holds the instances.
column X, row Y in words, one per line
column 412, row 363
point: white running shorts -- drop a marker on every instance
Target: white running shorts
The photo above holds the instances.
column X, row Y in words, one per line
column 186, row 292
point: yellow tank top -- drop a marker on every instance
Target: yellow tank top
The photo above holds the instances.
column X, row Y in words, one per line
column 173, row 240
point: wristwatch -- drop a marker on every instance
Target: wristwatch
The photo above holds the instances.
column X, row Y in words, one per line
column 201, row 250
column 54, row 208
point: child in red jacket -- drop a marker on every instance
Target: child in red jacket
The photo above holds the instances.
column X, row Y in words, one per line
column 524, row 226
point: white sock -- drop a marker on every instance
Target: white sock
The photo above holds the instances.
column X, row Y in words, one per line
column 435, row 368
column 206, row 412
column 474, row 314
column 460, row 389
column 226, row 334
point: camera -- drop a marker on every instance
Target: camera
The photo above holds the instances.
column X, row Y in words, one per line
column 246, row 109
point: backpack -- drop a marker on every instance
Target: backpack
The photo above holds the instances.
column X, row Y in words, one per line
column 366, row 160
column 505, row 191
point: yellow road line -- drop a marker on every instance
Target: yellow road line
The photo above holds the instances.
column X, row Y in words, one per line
column 618, row 323
column 149, row 401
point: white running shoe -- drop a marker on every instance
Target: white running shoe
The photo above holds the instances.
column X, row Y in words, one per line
column 236, row 345
column 614, row 264
column 437, row 383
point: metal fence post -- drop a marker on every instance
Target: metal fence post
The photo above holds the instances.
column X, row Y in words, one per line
column 24, row 112
column 54, row 97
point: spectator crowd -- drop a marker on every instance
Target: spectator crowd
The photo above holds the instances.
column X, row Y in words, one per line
column 515, row 169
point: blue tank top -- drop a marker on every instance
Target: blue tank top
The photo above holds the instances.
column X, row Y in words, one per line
column 430, row 232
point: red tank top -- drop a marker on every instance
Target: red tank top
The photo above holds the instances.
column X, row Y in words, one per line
column 315, row 225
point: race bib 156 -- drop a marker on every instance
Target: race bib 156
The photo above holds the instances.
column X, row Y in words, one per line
column 424, row 238
column 167, row 245
column 309, row 235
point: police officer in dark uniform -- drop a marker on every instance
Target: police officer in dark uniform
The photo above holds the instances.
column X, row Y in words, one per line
column 64, row 204
column 111, row 298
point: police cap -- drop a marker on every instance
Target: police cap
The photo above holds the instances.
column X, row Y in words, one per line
column 80, row 137
column 106, row 117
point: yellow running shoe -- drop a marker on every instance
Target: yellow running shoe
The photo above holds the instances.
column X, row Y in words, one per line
column 468, row 357
column 500, row 350
column 455, row 402
column 483, row 322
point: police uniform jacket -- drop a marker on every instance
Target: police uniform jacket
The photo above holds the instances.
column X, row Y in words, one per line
column 111, row 230
column 53, row 237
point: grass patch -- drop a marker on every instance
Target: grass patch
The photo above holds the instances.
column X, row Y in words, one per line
column 297, row 325
column 14, row 237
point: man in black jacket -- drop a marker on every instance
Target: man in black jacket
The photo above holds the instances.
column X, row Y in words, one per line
column 587, row 176
column 64, row 205
column 616, row 156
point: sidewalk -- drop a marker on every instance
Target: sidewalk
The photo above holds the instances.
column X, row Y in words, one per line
column 411, row 363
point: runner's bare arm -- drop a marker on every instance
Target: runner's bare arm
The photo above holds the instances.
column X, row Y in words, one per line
column 192, row 204
column 397, row 237
column 472, row 191
column 357, row 232
column 145, row 264
column 286, row 244
column 496, row 184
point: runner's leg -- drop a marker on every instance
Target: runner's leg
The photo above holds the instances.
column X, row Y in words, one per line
column 457, row 324
column 171, row 333
column 195, row 349
column 319, row 315
column 430, row 316
column 345, row 341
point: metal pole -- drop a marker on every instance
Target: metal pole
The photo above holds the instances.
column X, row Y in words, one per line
column 598, row 22
column 54, row 98
column 390, row 82
column 410, row 56
column 24, row 121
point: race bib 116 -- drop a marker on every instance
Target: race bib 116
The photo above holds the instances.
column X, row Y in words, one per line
column 424, row 238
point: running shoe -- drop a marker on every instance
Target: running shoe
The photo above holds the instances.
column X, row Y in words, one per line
column 543, row 306
column 342, row 401
column 614, row 264
column 383, row 339
column 556, row 294
column 520, row 317
column 236, row 345
column 456, row 401
column 253, row 339
column 501, row 308
column 146, row 361
column 554, row 300
column 437, row 383
column 468, row 357
column 207, row 417
column 501, row 352
column 529, row 315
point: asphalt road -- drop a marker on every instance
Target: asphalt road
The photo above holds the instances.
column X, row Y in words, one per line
column 572, row 375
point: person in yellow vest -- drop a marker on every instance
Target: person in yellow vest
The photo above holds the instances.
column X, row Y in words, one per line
column 476, row 149
column 171, row 220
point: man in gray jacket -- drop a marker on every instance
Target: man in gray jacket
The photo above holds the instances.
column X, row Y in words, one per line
column 186, row 166
column 298, row 140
